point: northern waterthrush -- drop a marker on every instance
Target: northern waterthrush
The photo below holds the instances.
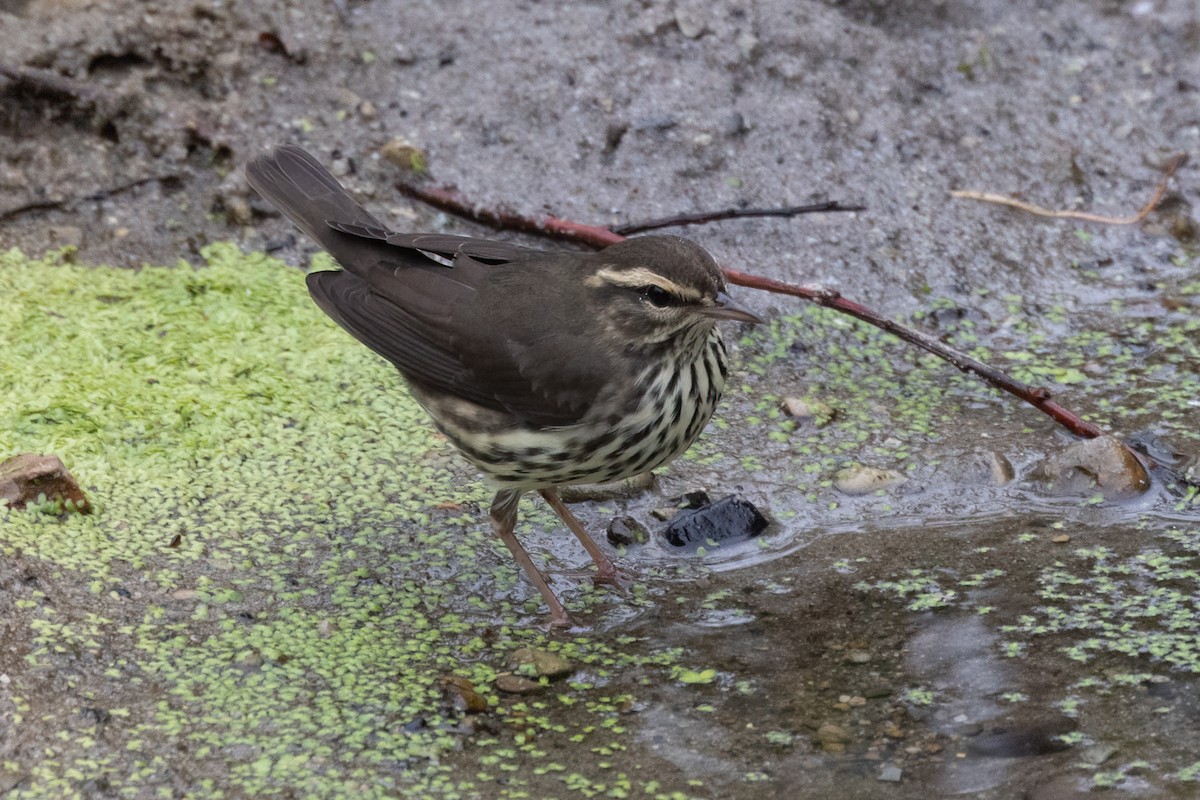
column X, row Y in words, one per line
column 543, row 368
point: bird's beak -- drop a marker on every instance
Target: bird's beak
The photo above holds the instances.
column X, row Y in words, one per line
column 726, row 308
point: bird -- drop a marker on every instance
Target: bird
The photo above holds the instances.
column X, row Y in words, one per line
column 543, row 368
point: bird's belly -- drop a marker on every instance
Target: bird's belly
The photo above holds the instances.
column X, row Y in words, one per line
column 670, row 416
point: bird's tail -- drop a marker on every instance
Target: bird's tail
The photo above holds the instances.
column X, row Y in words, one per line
column 295, row 183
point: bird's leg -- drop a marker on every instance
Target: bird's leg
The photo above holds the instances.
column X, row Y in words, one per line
column 504, row 521
column 606, row 570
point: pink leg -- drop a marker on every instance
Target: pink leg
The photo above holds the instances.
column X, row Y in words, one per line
column 504, row 521
column 606, row 570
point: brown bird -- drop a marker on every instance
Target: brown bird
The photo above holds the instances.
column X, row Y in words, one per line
column 543, row 368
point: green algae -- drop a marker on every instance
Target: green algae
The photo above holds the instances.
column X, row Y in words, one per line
column 1144, row 605
column 285, row 559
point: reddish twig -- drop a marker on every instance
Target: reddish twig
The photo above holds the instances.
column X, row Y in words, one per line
column 987, row 197
column 451, row 201
column 731, row 213
column 1037, row 396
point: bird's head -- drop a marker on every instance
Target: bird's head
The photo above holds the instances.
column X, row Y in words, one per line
column 654, row 288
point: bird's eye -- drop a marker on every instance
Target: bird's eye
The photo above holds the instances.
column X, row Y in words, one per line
column 656, row 296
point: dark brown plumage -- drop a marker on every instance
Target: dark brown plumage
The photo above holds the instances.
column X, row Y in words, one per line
column 544, row 368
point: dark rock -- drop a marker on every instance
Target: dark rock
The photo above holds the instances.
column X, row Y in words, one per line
column 27, row 477
column 626, row 531
column 1023, row 738
column 728, row 520
column 695, row 499
column 734, row 125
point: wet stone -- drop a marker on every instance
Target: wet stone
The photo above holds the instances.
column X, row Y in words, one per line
column 802, row 409
column 664, row 512
column 33, row 478
column 729, row 520
column 983, row 468
column 830, row 733
column 536, row 663
column 1097, row 754
column 517, row 684
column 890, row 773
column 404, row 154
column 1102, row 463
column 626, row 531
column 859, row 479
column 460, row 693
column 1023, row 738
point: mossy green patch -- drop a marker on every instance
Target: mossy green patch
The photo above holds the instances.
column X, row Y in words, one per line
column 1145, row 605
column 284, row 559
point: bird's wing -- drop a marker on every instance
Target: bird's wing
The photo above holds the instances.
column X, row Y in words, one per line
column 444, row 309
column 458, row 328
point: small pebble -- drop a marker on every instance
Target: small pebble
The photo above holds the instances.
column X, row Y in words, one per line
column 626, row 531
column 690, row 23
column 237, row 210
column 403, row 54
column 1098, row 753
column 516, row 684
column 461, row 694
column 539, row 663
column 859, row 479
column 404, row 154
column 734, row 125
column 799, row 408
column 748, row 44
column 829, row 733
column 890, row 773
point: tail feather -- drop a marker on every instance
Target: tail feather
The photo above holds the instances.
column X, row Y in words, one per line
column 296, row 184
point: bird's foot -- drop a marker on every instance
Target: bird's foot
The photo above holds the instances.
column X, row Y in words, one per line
column 614, row 578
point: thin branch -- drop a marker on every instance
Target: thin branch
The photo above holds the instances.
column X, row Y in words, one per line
column 987, row 197
column 99, row 194
column 451, row 201
column 44, row 82
column 731, row 213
